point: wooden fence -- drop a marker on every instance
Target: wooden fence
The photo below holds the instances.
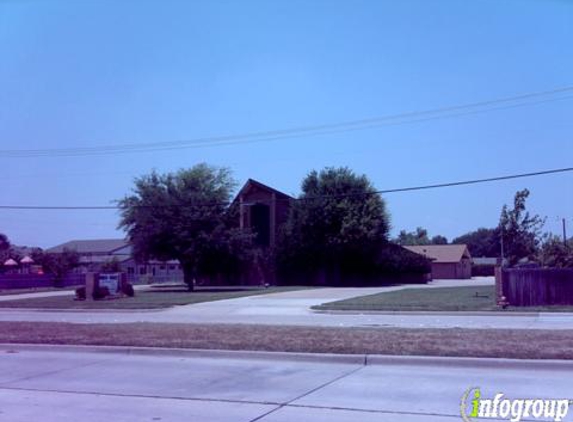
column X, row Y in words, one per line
column 538, row 286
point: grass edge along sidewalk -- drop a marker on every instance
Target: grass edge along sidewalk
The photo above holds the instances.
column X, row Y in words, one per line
column 443, row 299
column 156, row 298
column 457, row 342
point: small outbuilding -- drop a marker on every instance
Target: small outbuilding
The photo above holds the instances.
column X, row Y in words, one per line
column 448, row 261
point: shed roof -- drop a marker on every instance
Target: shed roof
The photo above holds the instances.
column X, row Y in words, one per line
column 442, row 253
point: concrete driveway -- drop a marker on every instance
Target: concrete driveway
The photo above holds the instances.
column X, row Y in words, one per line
column 44, row 384
column 293, row 308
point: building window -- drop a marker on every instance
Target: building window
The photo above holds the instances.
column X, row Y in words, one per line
column 172, row 267
column 130, row 270
column 142, row 270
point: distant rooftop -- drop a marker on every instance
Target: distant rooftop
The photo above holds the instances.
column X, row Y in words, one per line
column 98, row 246
column 442, row 253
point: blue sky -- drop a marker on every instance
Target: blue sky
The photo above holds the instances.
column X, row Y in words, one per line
column 90, row 73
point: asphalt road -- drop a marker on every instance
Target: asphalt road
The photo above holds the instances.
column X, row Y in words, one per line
column 293, row 308
column 48, row 385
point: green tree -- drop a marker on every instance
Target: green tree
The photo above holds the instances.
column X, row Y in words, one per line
column 555, row 253
column 481, row 242
column 439, row 240
column 111, row 266
column 418, row 237
column 4, row 248
column 57, row 264
column 185, row 216
column 520, row 231
column 337, row 224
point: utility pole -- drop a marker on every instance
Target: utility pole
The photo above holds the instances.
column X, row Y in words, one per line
column 502, row 248
column 564, row 233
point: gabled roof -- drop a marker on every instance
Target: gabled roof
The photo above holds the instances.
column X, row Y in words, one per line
column 99, row 246
column 253, row 184
column 442, row 253
column 26, row 260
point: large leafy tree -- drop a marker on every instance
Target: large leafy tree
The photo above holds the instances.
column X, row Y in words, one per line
column 185, row 216
column 520, row 231
column 481, row 242
column 338, row 221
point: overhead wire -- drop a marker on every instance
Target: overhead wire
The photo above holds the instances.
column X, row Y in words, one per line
column 314, row 130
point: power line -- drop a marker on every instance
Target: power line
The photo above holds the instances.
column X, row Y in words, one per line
column 322, row 129
column 472, row 182
column 341, row 196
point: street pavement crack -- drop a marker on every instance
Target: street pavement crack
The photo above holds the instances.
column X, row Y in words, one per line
column 139, row 396
column 57, row 371
column 326, row 384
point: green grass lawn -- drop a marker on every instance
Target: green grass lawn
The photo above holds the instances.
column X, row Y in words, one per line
column 478, row 298
column 9, row 292
column 161, row 297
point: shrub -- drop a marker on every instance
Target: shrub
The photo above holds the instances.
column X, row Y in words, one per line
column 81, row 293
column 390, row 264
column 100, row 293
column 128, row 290
column 483, row 270
column 394, row 259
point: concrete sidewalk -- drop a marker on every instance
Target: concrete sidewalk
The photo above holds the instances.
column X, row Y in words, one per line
column 87, row 384
column 33, row 295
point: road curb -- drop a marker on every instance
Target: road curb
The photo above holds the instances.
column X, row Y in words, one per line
column 470, row 362
column 357, row 359
column 432, row 313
